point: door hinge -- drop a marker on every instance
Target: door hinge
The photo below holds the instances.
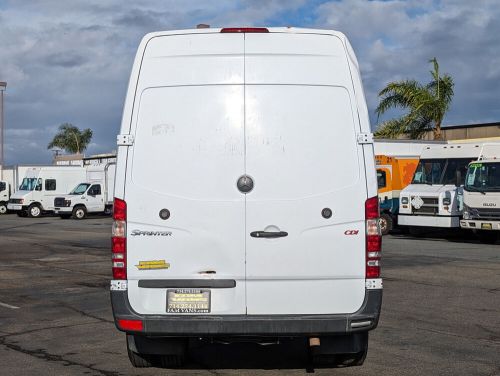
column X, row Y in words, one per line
column 125, row 140
column 365, row 138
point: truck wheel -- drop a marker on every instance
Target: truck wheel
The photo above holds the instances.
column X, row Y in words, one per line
column 79, row 212
column 487, row 237
column 3, row 208
column 34, row 211
column 386, row 223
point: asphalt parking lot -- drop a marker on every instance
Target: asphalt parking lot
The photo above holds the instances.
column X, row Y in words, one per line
column 440, row 316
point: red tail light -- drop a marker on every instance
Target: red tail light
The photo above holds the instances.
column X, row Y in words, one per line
column 135, row 325
column 244, row 30
column 373, row 238
column 119, row 240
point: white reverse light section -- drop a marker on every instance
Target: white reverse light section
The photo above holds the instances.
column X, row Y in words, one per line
column 118, row 285
column 374, row 284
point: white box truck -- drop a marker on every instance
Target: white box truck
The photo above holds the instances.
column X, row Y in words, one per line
column 482, row 195
column 94, row 195
column 5, row 192
column 39, row 187
column 11, row 179
column 435, row 196
column 245, row 196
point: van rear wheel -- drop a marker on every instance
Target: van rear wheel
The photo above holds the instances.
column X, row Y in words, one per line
column 79, row 212
column 140, row 360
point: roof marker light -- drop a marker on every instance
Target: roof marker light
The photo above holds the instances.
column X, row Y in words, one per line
column 244, row 30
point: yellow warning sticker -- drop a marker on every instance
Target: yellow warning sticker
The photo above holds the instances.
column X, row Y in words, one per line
column 154, row 264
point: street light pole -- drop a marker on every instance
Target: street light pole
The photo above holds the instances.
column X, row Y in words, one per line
column 3, row 86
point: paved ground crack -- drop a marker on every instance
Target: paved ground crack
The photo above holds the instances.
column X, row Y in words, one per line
column 44, row 355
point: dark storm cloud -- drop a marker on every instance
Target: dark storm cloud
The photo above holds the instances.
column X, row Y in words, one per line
column 66, row 59
column 70, row 61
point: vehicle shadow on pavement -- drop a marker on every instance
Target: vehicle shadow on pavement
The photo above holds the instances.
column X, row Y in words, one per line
column 430, row 233
column 288, row 354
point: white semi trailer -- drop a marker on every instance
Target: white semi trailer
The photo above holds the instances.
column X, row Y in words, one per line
column 94, row 195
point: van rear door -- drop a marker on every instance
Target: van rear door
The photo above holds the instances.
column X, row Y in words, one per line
column 187, row 155
column 302, row 154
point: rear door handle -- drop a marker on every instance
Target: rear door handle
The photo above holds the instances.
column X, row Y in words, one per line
column 268, row 234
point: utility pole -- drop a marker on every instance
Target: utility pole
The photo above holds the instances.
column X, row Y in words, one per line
column 3, row 86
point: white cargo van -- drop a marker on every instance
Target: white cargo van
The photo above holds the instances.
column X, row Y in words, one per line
column 245, row 196
column 94, row 195
column 39, row 187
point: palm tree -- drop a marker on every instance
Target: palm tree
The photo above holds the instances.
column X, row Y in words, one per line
column 426, row 105
column 71, row 139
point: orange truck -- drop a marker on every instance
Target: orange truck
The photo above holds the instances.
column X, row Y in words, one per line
column 393, row 174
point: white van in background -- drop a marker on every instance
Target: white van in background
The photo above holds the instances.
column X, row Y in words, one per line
column 39, row 187
column 94, row 195
column 435, row 196
column 245, row 196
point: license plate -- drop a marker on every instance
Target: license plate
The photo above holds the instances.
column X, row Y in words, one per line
column 486, row 226
column 188, row 301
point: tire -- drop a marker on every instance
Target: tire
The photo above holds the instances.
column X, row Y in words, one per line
column 488, row 237
column 170, row 361
column 140, row 360
column 65, row 216
column 34, row 211
column 326, row 359
column 79, row 212
column 352, row 360
column 3, row 208
column 386, row 223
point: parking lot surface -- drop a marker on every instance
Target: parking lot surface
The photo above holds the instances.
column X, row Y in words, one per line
column 440, row 315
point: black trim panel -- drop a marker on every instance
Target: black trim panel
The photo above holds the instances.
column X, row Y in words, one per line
column 187, row 283
column 430, row 215
column 251, row 325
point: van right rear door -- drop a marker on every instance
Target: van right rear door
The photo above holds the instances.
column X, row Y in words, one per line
column 305, row 225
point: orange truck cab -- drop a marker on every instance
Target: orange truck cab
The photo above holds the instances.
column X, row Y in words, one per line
column 393, row 174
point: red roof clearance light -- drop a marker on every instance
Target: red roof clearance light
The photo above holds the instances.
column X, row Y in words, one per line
column 244, row 30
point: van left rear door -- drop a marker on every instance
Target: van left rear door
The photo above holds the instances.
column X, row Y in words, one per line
column 187, row 155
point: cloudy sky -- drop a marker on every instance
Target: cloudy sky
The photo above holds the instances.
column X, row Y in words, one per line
column 69, row 61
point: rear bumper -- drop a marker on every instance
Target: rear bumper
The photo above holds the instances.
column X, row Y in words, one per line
column 365, row 319
column 428, row 220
